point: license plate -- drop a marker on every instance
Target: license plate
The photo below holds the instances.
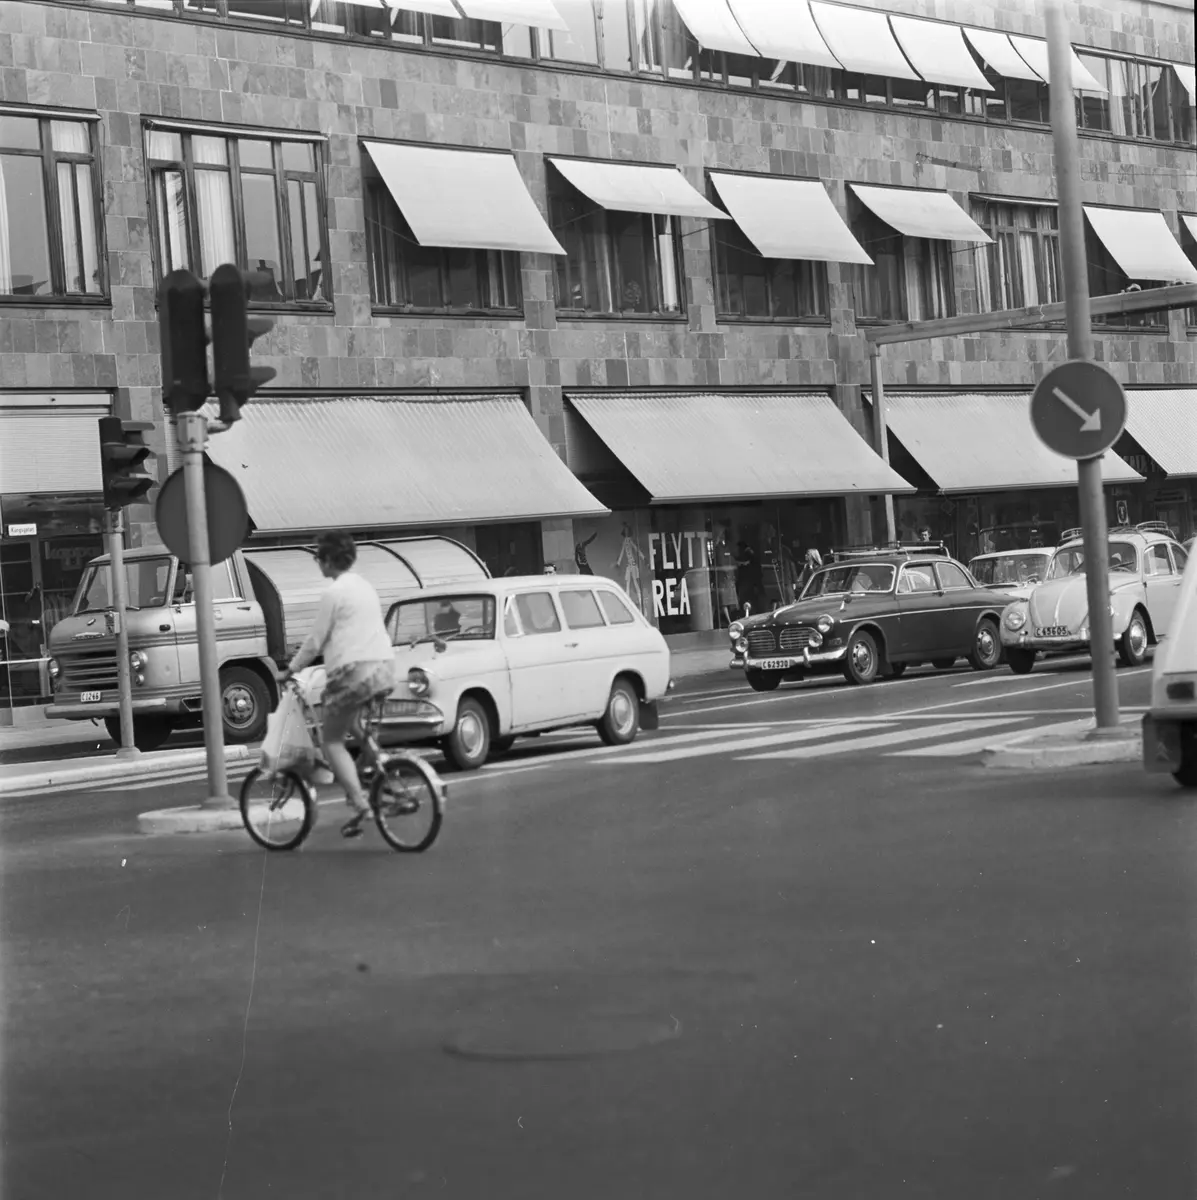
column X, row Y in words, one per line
column 90, row 697
column 774, row 664
column 1052, row 631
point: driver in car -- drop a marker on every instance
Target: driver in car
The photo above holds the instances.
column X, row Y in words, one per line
column 446, row 619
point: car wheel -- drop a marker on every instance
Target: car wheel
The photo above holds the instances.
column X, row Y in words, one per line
column 1132, row 645
column 894, row 670
column 502, row 745
column 862, row 662
column 468, row 746
column 987, row 646
column 762, row 681
column 244, row 705
column 621, row 720
column 148, row 732
column 1021, row 661
column 943, row 664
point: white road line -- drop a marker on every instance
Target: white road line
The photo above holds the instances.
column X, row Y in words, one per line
column 975, row 745
column 768, row 739
column 872, row 742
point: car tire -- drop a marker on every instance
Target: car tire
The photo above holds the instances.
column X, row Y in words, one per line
column 943, row 664
column 148, row 732
column 1132, row 645
column 502, row 745
column 620, row 721
column 894, row 670
column 762, row 681
column 987, row 646
column 244, row 705
column 862, row 661
column 1020, row 661
column 468, row 746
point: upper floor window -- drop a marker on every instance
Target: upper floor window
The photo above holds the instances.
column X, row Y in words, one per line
column 911, row 279
column 771, row 289
column 614, row 262
column 406, row 275
column 1188, row 242
column 1021, row 266
column 1144, row 100
column 1106, row 277
column 49, row 209
column 250, row 200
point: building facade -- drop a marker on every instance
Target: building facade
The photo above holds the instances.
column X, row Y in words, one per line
column 590, row 292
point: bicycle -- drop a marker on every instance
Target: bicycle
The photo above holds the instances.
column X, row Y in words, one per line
column 278, row 808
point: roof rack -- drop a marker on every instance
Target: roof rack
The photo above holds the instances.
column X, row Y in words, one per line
column 1142, row 527
column 891, row 550
column 1155, row 527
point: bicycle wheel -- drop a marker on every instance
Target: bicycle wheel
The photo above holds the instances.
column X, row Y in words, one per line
column 407, row 797
column 278, row 810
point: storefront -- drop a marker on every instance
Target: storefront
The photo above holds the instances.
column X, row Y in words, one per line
column 51, row 524
column 1160, row 442
column 716, row 498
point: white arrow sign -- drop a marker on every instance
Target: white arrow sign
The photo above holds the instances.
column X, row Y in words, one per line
column 1091, row 422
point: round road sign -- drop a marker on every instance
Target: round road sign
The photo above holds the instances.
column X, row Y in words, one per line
column 228, row 516
column 1078, row 409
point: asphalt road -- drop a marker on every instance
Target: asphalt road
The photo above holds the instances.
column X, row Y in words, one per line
column 798, row 944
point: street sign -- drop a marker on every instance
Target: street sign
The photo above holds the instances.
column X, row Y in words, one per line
column 1078, row 409
column 228, row 516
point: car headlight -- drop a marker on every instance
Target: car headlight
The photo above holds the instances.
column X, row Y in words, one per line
column 137, row 660
column 735, row 630
column 417, row 682
column 824, row 623
column 54, row 668
column 1016, row 618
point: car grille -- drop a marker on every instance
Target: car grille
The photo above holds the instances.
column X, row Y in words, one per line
column 795, row 637
column 87, row 670
column 760, row 641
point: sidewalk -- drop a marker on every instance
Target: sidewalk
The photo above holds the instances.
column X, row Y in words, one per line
column 1075, row 747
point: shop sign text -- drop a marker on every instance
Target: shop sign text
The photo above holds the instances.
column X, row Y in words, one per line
column 671, row 555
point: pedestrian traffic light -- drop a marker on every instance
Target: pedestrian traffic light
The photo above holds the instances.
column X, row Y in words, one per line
column 122, row 451
column 184, row 342
column 233, row 332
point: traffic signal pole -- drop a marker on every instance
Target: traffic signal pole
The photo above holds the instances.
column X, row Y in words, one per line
column 193, row 440
column 1080, row 346
column 118, row 591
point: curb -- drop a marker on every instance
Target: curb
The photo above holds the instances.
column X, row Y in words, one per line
column 148, row 766
column 190, row 819
column 1075, row 752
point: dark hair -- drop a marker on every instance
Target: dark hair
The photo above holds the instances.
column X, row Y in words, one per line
column 336, row 549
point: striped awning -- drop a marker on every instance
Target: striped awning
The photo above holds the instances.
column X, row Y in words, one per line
column 1164, row 422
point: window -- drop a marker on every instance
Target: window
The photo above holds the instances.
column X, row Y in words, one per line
column 1188, row 242
column 537, row 612
column 1181, row 556
column 951, row 576
column 917, row 579
column 465, row 34
column 823, row 82
column 580, row 44
column 248, row 200
column 581, row 610
column 617, row 611
column 511, row 622
column 404, row 274
column 224, row 587
column 747, row 285
column 1157, row 560
column 1021, row 266
column 911, row 279
column 49, row 222
column 145, row 585
column 1026, row 101
column 1106, row 277
column 466, row 618
column 614, row 262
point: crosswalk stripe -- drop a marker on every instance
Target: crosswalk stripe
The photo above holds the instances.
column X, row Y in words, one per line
column 850, row 745
column 974, row 745
column 734, row 746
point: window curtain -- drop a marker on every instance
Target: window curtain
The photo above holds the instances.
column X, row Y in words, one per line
column 79, row 246
column 214, row 204
column 5, row 253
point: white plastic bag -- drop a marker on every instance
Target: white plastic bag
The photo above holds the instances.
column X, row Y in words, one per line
column 288, row 743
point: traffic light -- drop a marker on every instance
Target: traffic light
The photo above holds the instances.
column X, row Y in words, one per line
column 233, row 332
column 122, row 451
column 184, row 342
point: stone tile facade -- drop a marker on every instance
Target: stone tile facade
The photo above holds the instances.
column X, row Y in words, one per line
column 130, row 64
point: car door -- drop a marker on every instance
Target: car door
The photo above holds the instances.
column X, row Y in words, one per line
column 590, row 646
column 1162, row 580
column 534, row 642
column 960, row 608
column 233, row 613
column 920, row 607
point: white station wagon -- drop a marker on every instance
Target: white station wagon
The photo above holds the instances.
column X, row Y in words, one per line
column 481, row 664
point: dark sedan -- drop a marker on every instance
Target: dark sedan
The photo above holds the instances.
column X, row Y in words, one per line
column 873, row 616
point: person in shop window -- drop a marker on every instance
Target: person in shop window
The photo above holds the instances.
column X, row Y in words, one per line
column 749, row 579
column 580, row 559
column 630, row 558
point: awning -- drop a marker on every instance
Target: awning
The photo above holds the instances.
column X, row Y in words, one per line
column 470, row 199
column 861, row 40
column 1190, row 223
column 1034, row 50
column 438, row 8
column 631, row 187
column 1141, row 243
column 1164, row 422
column 984, row 443
column 713, row 26
column 1187, row 74
column 50, row 444
column 704, row 446
column 916, row 213
column 788, row 218
column 784, row 31
column 998, row 51
column 396, row 461
column 540, row 13
column 938, row 52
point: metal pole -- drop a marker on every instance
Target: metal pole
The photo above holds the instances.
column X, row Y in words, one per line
column 1080, row 346
column 119, row 591
column 193, row 439
column 880, row 435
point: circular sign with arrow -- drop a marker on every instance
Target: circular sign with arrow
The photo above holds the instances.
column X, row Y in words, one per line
column 1078, row 409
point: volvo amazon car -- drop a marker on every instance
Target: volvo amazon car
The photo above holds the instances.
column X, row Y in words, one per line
column 1014, row 572
column 873, row 614
column 1145, row 565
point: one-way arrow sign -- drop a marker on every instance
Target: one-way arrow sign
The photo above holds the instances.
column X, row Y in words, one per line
column 1078, row 409
column 1090, row 422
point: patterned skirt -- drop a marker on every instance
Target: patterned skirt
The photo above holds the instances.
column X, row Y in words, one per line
column 350, row 687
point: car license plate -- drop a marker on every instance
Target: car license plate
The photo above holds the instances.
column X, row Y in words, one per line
column 774, row 664
column 1052, row 631
column 90, row 697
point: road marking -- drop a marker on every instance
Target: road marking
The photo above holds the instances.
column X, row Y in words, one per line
column 872, row 742
column 973, row 745
column 830, row 729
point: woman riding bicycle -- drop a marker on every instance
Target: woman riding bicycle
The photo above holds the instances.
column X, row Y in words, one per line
column 358, row 661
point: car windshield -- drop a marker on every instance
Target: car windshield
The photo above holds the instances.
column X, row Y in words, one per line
column 145, row 584
column 1009, row 570
column 464, row 618
column 1070, row 560
column 851, row 577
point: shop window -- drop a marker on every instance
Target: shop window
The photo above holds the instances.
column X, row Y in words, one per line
column 614, row 262
column 408, row 276
column 580, row 44
column 252, row 201
column 1021, row 266
column 771, row 289
column 1106, row 278
column 49, row 231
